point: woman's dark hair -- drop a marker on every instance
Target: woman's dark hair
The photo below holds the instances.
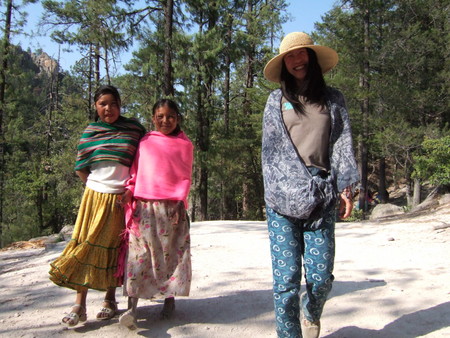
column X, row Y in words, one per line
column 313, row 88
column 104, row 90
column 173, row 106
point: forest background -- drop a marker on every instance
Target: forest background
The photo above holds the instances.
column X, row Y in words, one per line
column 208, row 56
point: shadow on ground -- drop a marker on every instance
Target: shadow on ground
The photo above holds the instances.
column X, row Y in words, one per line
column 411, row 325
column 233, row 310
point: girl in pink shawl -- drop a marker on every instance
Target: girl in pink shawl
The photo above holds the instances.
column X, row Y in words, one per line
column 158, row 264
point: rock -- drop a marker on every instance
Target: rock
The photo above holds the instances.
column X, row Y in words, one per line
column 34, row 243
column 66, row 232
column 445, row 199
column 386, row 210
column 54, row 238
column 45, row 63
column 55, row 246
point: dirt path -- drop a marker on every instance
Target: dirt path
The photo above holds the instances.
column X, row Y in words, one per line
column 392, row 280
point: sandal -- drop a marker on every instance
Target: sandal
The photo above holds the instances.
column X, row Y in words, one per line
column 106, row 313
column 127, row 319
column 73, row 317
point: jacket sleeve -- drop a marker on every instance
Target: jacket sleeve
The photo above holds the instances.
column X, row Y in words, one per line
column 343, row 161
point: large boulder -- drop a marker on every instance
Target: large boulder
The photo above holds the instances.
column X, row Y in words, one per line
column 386, row 210
column 66, row 232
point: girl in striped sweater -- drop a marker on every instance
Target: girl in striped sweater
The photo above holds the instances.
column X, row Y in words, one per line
column 105, row 153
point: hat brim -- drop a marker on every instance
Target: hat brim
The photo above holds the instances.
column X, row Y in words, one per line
column 326, row 57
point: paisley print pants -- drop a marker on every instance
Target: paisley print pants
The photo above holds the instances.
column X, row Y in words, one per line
column 291, row 242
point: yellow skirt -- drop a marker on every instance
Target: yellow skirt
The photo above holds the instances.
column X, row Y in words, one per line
column 90, row 258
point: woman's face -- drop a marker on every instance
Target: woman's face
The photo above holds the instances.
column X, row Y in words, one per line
column 165, row 120
column 296, row 63
column 108, row 108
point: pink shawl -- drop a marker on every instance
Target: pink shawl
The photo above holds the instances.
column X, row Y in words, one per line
column 161, row 170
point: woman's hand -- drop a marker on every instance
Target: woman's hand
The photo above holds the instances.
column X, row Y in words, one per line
column 346, row 203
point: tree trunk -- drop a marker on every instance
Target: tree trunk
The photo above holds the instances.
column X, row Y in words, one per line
column 228, row 200
column 364, row 83
column 168, row 27
column 249, row 56
column 409, row 190
column 203, row 146
column 226, row 87
column 4, row 65
column 97, row 66
column 203, row 191
column 416, row 194
column 108, row 77
column 362, row 198
column 205, row 105
column 193, row 198
column 40, row 207
column 382, row 190
column 91, row 111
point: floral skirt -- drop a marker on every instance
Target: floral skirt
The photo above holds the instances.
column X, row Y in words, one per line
column 90, row 258
column 159, row 256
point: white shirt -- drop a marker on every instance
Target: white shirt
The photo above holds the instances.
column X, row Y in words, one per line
column 108, row 177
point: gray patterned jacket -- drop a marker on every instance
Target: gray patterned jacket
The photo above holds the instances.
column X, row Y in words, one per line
column 289, row 188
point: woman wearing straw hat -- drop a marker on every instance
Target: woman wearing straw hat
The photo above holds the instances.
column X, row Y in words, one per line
column 308, row 161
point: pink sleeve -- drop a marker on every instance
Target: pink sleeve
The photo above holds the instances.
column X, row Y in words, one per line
column 131, row 182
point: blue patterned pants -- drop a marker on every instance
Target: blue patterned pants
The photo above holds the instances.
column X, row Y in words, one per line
column 291, row 240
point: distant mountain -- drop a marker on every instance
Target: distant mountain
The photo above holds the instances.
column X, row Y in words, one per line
column 45, row 63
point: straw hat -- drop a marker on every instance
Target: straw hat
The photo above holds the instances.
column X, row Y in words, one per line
column 327, row 57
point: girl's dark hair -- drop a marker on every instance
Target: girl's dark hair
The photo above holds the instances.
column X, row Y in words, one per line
column 104, row 90
column 173, row 106
column 107, row 89
column 313, row 87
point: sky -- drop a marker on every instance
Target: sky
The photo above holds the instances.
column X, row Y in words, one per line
column 304, row 13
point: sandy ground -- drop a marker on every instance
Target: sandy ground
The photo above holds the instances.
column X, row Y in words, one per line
column 392, row 280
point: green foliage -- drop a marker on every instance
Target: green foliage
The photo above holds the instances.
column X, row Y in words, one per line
column 224, row 36
column 41, row 192
column 87, row 22
column 356, row 216
column 218, row 53
column 408, row 75
column 433, row 164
